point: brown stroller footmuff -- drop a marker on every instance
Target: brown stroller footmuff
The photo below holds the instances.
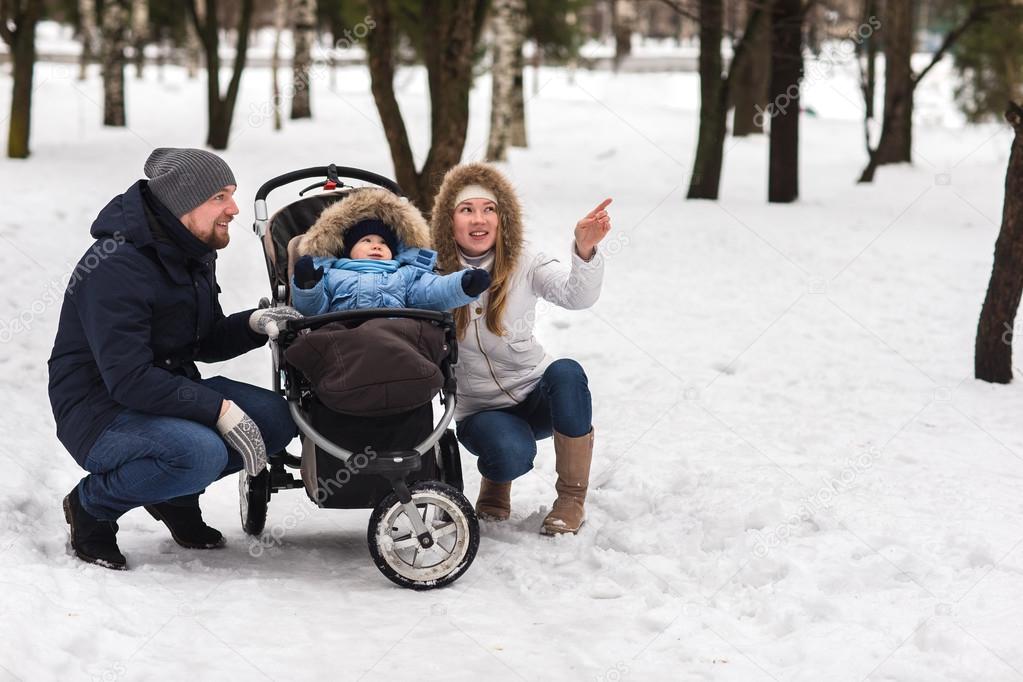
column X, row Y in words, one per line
column 374, row 368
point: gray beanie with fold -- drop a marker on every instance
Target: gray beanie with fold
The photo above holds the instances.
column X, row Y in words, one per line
column 182, row 179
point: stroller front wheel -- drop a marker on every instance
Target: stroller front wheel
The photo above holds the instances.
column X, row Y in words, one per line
column 452, row 523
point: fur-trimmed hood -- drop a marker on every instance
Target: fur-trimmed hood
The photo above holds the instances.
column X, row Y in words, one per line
column 508, row 208
column 326, row 236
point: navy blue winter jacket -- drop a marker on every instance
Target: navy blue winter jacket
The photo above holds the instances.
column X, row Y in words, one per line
column 140, row 309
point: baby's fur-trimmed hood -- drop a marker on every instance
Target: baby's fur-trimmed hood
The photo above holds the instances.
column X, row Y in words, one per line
column 442, row 219
column 326, row 236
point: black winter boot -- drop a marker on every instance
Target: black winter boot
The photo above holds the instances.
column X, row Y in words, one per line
column 94, row 541
column 186, row 524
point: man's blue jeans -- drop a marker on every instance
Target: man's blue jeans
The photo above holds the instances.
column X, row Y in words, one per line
column 505, row 440
column 142, row 459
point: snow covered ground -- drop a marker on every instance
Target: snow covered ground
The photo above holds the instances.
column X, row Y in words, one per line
column 796, row 477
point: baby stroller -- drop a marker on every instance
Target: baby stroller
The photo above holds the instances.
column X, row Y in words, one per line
column 423, row 533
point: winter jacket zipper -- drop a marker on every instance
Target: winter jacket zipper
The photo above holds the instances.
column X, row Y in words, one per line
column 486, row 357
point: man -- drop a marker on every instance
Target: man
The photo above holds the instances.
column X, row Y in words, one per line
column 130, row 406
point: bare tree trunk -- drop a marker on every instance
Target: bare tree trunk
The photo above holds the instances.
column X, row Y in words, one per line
column 87, row 20
column 623, row 20
column 784, row 95
column 280, row 20
column 18, row 29
column 507, row 14
column 868, row 48
column 993, row 354
column 449, row 71
column 220, row 109
column 706, row 178
column 303, row 26
column 752, row 76
column 139, row 33
column 114, row 31
column 714, row 96
column 454, row 28
column 193, row 46
column 896, row 141
column 380, row 55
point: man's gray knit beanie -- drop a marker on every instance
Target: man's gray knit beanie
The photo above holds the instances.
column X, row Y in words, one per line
column 185, row 178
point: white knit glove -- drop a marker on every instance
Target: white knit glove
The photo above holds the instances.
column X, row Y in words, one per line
column 242, row 435
column 269, row 321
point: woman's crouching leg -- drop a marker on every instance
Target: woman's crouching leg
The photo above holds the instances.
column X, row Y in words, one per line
column 503, row 443
column 567, row 390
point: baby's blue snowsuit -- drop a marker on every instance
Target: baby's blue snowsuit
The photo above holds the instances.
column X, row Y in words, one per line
column 408, row 282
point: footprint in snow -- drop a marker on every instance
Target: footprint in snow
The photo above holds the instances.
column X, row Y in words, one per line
column 724, row 368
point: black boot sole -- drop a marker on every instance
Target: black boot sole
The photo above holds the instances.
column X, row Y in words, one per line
column 185, row 543
column 87, row 558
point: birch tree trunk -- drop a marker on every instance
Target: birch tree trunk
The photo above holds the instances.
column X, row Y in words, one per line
column 115, row 30
column 623, row 19
column 139, row 33
column 280, row 20
column 87, row 19
column 303, row 27
column 517, row 131
column 503, row 75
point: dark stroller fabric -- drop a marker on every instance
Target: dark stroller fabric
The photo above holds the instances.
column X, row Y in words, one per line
column 335, row 484
column 380, row 367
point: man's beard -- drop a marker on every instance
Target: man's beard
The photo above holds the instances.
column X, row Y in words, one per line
column 215, row 240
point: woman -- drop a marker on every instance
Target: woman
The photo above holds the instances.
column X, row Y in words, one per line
column 510, row 392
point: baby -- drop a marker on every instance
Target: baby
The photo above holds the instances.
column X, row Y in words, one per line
column 384, row 263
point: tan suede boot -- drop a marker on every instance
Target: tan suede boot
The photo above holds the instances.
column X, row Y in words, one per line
column 494, row 502
column 573, row 467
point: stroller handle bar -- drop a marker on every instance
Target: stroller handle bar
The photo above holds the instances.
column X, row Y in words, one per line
column 335, row 450
column 332, row 172
column 316, row 321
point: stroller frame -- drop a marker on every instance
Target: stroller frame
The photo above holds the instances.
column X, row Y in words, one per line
column 393, row 465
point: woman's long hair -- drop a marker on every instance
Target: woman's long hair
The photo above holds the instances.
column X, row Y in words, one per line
column 507, row 247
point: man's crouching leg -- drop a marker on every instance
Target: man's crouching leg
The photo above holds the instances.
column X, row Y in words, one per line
column 139, row 460
column 270, row 413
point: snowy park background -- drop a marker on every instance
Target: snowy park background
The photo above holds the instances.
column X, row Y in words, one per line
column 796, row 476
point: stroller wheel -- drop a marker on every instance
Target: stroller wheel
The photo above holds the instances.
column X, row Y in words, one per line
column 253, row 497
column 451, row 521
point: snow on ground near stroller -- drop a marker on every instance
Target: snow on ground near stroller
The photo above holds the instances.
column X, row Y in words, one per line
column 796, row 477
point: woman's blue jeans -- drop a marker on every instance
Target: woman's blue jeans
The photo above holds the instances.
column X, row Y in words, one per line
column 142, row 459
column 505, row 440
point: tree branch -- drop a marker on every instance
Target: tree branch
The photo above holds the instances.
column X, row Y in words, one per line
column 380, row 50
column 6, row 32
column 978, row 13
column 684, row 11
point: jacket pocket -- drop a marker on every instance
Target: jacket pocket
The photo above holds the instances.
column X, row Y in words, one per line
column 523, row 347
